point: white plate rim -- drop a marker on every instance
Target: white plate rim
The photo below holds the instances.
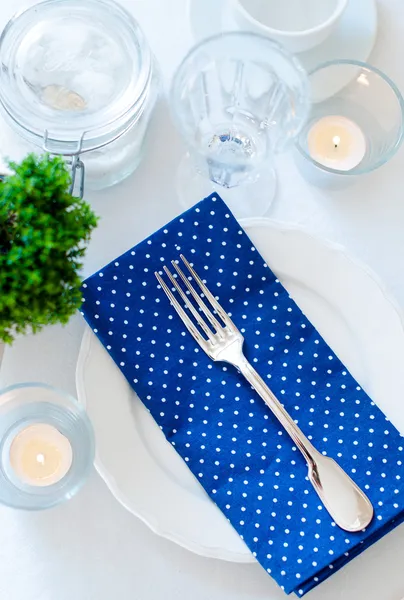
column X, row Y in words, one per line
column 151, row 521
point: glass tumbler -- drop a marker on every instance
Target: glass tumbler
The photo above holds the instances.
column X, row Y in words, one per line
column 237, row 99
column 356, row 123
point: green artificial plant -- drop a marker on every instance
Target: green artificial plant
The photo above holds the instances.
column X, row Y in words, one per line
column 43, row 235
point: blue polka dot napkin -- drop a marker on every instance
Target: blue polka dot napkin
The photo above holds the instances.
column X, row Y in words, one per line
column 228, row 437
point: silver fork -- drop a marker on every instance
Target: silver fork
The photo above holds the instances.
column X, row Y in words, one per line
column 348, row 506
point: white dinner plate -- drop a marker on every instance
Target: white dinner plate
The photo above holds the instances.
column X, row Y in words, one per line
column 349, row 308
column 353, row 38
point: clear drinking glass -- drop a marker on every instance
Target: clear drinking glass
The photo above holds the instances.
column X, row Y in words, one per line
column 237, row 99
column 361, row 95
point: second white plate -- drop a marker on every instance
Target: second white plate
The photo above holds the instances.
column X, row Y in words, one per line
column 349, row 308
column 353, row 38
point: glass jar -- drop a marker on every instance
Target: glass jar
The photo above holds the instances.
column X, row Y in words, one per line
column 78, row 79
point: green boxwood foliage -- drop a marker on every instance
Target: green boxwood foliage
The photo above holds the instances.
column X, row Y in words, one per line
column 43, row 235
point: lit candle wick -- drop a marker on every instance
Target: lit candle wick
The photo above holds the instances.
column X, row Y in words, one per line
column 40, row 459
column 337, row 143
column 40, row 455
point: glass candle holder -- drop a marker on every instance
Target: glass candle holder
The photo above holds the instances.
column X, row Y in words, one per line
column 238, row 99
column 355, row 124
column 46, row 446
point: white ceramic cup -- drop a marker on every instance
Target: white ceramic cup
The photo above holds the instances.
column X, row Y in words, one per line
column 296, row 24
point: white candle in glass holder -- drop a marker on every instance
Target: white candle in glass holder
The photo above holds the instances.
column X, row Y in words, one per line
column 337, row 143
column 40, row 455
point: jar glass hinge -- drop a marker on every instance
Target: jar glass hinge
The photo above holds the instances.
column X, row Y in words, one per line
column 71, row 153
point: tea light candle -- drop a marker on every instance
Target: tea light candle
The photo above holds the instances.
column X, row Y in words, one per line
column 336, row 142
column 40, row 455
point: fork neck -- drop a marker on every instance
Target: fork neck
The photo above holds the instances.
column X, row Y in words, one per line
column 256, row 381
column 233, row 354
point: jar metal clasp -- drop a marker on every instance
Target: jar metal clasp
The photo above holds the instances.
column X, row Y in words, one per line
column 72, row 159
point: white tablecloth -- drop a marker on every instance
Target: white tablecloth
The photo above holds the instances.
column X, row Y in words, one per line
column 91, row 548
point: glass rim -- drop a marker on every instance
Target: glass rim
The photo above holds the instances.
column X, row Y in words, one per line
column 273, row 44
column 358, row 170
column 91, row 131
column 245, row 34
column 39, row 384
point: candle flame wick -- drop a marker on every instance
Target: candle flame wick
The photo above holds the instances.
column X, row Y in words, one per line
column 40, row 459
column 336, row 141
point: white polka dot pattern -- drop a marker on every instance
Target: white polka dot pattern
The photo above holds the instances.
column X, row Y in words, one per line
column 222, row 430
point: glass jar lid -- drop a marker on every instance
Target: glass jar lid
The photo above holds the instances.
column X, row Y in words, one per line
column 74, row 73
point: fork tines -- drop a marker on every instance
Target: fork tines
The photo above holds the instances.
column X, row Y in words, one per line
column 215, row 328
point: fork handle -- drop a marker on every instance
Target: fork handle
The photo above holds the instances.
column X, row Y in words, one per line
column 347, row 504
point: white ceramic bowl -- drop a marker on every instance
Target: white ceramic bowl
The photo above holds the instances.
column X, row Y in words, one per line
column 297, row 25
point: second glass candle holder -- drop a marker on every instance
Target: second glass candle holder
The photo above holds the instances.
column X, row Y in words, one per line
column 356, row 123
